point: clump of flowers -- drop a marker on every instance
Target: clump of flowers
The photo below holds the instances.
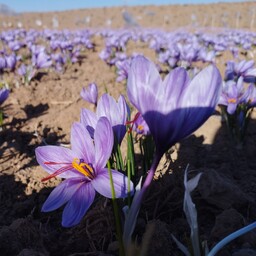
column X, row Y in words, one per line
column 167, row 111
column 238, row 98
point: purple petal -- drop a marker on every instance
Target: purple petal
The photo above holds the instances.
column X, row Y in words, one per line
column 90, row 94
column 173, row 86
column 196, row 104
column 240, row 86
column 4, row 93
column 200, row 99
column 116, row 112
column 107, row 106
column 124, row 109
column 204, row 89
column 82, row 144
column 55, row 154
column 102, row 184
column 251, row 72
column 78, row 205
column 223, row 100
column 243, row 66
column 89, row 120
column 231, row 108
column 104, row 140
column 61, row 194
column 143, row 79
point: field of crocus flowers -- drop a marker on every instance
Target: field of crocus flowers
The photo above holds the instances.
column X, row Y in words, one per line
column 129, row 141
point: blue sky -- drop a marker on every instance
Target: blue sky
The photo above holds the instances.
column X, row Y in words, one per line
column 59, row 5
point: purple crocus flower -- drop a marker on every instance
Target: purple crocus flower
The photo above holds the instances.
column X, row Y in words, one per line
column 27, row 72
column 11, row 61
column 22, row 70
column 41, row 60
column 241, row 69
column 187, row 52
column 15, row 45
column 139, row 125
column 175, row 107
column 90, row 94
column 4, row 93
column 83, row 168
column 105, row 54
column 232, row 95
column 123, row 67
column 116, row 112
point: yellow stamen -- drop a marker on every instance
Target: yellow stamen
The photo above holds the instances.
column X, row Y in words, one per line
column 83, row 168
column 232, row 100
column 140, row 127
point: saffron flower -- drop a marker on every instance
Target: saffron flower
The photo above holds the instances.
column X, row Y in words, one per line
column 139, row 125
column 175, row 107
column 41, row 60
column 233, row 94
column 243, row 69
column 116, row 112
column 83, row 168
column 90, row 94
column 11, row 61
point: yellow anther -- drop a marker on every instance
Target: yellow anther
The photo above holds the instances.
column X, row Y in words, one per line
column 83, row 168
column 231, row 100
column 140, row 127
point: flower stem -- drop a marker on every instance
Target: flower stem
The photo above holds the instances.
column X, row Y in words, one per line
column 129, row 180
column 131, row 217
column 116, row 214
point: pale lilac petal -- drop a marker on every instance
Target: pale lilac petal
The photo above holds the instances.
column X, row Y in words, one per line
column 61, row 194
column 251, row 72
column 56, row 154
column 102, row 184
column 240, row 85
column 90, row 94
column 78, row 205
column 204, row 89
column 104, row 140
column 232, row 90
column 108, row 107
column 173, row 86
column 231, row 108
column 82, row 144
column 246, row 97
column 143, row 80
column 199, row 100
column 223, row 100
column 123, row 108
column 89, row 120
column 243, row 66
